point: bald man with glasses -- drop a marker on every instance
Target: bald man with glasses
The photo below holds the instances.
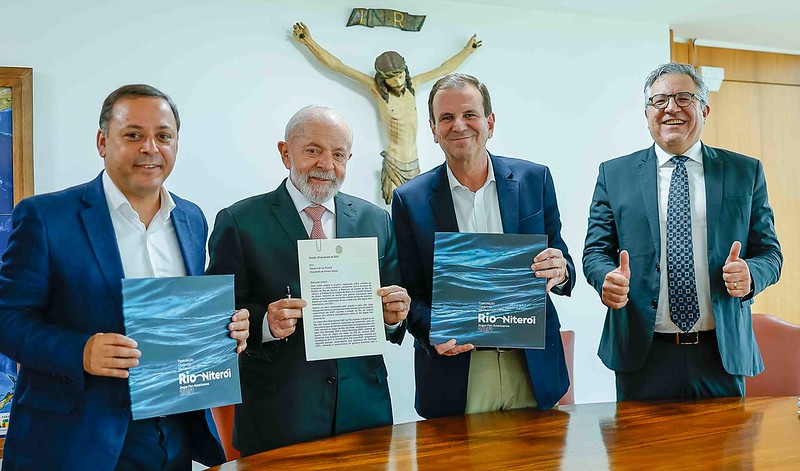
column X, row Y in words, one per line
column 680, row 240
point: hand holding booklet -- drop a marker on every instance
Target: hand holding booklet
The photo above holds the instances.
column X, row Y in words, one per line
column 484, row 291
column 188, row 358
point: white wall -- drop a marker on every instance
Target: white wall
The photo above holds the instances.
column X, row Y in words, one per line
column 566, row 92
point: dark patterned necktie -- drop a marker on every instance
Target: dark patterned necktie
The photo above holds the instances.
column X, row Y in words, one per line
column 684, row 309
column 315, row 213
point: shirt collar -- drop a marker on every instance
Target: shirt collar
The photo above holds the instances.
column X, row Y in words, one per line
column 116, row 199
column 454, row 183
column 301, row 202
column 694, row 153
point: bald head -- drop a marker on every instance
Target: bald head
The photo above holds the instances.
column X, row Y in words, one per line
column 317, row 114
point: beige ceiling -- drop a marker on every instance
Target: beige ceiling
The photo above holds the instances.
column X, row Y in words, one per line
column 773, row 24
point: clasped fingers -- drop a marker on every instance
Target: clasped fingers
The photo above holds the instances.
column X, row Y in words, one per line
column 282, row 316
column 240, row 328
column 396, row 303
column 550, row 264
column 110, row 355
column 240, row 323
column 394, row 295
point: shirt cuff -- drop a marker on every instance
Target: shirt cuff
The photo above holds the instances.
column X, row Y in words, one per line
column 566, row 280
column 266, row 335
column 390, row 329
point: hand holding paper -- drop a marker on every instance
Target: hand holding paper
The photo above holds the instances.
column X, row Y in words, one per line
column 396, row 302
column 282, row 316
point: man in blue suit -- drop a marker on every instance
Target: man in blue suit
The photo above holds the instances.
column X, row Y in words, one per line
column 681, row 238
column 475, row 191
column 61, row 302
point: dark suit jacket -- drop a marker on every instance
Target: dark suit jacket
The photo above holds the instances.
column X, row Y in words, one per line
column 59, row 285
column 624, row 216
column 286, row 399
column 424, row 206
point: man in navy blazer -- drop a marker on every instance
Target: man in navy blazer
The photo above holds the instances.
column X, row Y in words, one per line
column 474, row 191
column 61, row 302
column 680, row 327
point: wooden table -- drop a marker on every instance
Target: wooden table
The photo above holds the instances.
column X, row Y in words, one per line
column 756, row 433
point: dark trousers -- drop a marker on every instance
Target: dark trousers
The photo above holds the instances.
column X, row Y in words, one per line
column 680, row 372
column 160, row 443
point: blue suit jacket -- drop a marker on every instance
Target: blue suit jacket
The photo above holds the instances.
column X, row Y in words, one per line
column 424, row 206
column 624, row 216
column 59, row 285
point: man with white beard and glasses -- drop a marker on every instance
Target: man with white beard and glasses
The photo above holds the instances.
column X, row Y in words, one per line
column 287, row 399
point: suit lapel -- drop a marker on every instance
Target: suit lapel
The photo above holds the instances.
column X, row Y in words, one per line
column 712, row 174
column 345, row 217
column 186, row 241
column 648, row 177
column 285, row 213
column 99, row 229
column 507, row 195
column 441, row 201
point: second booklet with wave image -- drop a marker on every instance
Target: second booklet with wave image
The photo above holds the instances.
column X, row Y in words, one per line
column 484, row 291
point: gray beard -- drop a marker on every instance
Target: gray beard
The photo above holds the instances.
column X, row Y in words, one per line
column 316, row 195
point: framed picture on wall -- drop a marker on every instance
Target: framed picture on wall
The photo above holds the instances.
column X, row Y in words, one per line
column 16, row 142
column 16, row 182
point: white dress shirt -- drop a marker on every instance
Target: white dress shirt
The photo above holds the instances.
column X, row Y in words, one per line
column 146, row 252
column 301, row 202
column 697, row 200
column 479, row 211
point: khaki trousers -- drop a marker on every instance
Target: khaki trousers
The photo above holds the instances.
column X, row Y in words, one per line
column 498, row 380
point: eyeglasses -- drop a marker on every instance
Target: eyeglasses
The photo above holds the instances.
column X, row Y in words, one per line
column 682, row 99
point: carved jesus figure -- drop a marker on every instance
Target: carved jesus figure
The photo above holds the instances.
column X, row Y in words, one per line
column 393, row 89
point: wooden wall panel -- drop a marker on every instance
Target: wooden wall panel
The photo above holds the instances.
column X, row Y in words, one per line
column 680, row 52
column 759, row 120
column 757, row 112
column 742, row 66
column 751, row 66
column 780, row 117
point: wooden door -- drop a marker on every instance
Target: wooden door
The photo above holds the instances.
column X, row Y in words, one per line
column 757, row 112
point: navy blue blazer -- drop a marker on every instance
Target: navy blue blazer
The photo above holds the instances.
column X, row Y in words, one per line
column 624, row 216
column 424, row 206
column 60, row 283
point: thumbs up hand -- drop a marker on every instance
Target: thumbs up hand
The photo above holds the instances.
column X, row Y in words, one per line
column 736, row 273
column 617, row 283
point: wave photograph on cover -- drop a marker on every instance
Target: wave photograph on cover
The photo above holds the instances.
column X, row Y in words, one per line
column 188, row 359
column 484, row 291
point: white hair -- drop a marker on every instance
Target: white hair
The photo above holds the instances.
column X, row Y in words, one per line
column 311, row 113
